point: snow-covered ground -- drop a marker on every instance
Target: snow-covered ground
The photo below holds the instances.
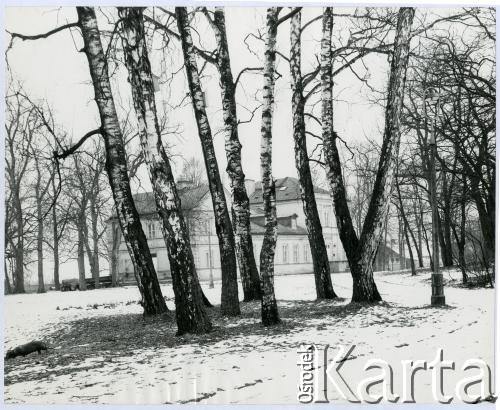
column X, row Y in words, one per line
column 104, row 351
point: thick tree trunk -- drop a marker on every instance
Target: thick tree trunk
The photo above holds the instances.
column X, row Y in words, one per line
column 270, row 315
column 323, row 281
column 486, row 211
column 229, row 297
column 116, row 167
column 361, row 253
column 189, row 309
column 240, row 204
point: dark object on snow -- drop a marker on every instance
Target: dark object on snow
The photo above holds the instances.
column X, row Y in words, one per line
column 23, row 350
column 74, row 284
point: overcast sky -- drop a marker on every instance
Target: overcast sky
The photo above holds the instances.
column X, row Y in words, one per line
column 53, row 70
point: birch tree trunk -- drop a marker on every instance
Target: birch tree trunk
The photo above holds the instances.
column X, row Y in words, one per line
column 190, row 312
column 270, row 315
column 240, row 203
column 361, row 253
column 116, row 167
column 323, row 280
column 229, row 297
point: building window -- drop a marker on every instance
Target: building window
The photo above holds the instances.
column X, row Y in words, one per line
column 285, row 253
column 327, row 216
column 151, row 230
column 306, row 253
column 296, row 253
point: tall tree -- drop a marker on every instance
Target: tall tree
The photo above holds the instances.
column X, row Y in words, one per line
column 20, row 127
column 323, row 280
column 190, row 312
column 270, row 315
column 361, row 252
column 116, row 166
column 240, row 203
column 229, row 297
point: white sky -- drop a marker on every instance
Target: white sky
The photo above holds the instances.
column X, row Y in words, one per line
column 52, row 69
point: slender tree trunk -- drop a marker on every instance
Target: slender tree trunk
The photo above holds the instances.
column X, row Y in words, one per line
column 116, row 167
column 270, row 315
column 95, row 242
column 361, row 253
column 446, row 223
column 323, row 281
column 19, row 249
column 406, row 229
column 55, row 244
column 410, row 252
column 39, row 236
column 115, row 248
column 81, row 257
column 7, row 286
column 229, row 297
column 190, row 312
column 417, row 244
column 240, row 204
column 39, row 249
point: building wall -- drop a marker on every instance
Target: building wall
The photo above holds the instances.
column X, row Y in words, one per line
column 292, row 256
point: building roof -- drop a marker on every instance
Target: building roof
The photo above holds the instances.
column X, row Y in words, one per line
column 287, row 189
column 256, row 229
column 191, row 197
column 285, row 226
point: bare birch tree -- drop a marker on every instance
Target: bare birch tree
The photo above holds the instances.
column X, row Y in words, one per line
column 116, row 167
column 240, row 202
column 270, row 315
column 361, row 252
column 229, row 294
column 321, row 265
column 190, row 312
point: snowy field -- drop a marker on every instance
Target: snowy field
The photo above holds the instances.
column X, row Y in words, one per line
column 103, row 351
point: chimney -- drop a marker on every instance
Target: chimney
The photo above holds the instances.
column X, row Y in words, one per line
column 250, row 186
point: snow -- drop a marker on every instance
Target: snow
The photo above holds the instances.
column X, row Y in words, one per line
column 104, row 351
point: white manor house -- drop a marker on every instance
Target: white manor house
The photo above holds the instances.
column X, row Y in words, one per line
column 292, row 249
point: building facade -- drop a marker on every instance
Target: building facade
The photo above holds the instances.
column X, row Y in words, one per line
column 292, row 256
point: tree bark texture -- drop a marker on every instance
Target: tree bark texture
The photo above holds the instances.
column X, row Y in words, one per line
column 55, row 245
column 323, row 280
column 240, row 203
column 191, row 314
column 229, row 297
column 270, row 314
column 116, row 167
column 81, row 259
column 361, row 252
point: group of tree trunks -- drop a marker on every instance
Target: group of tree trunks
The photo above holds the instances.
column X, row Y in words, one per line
column 235, row 242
